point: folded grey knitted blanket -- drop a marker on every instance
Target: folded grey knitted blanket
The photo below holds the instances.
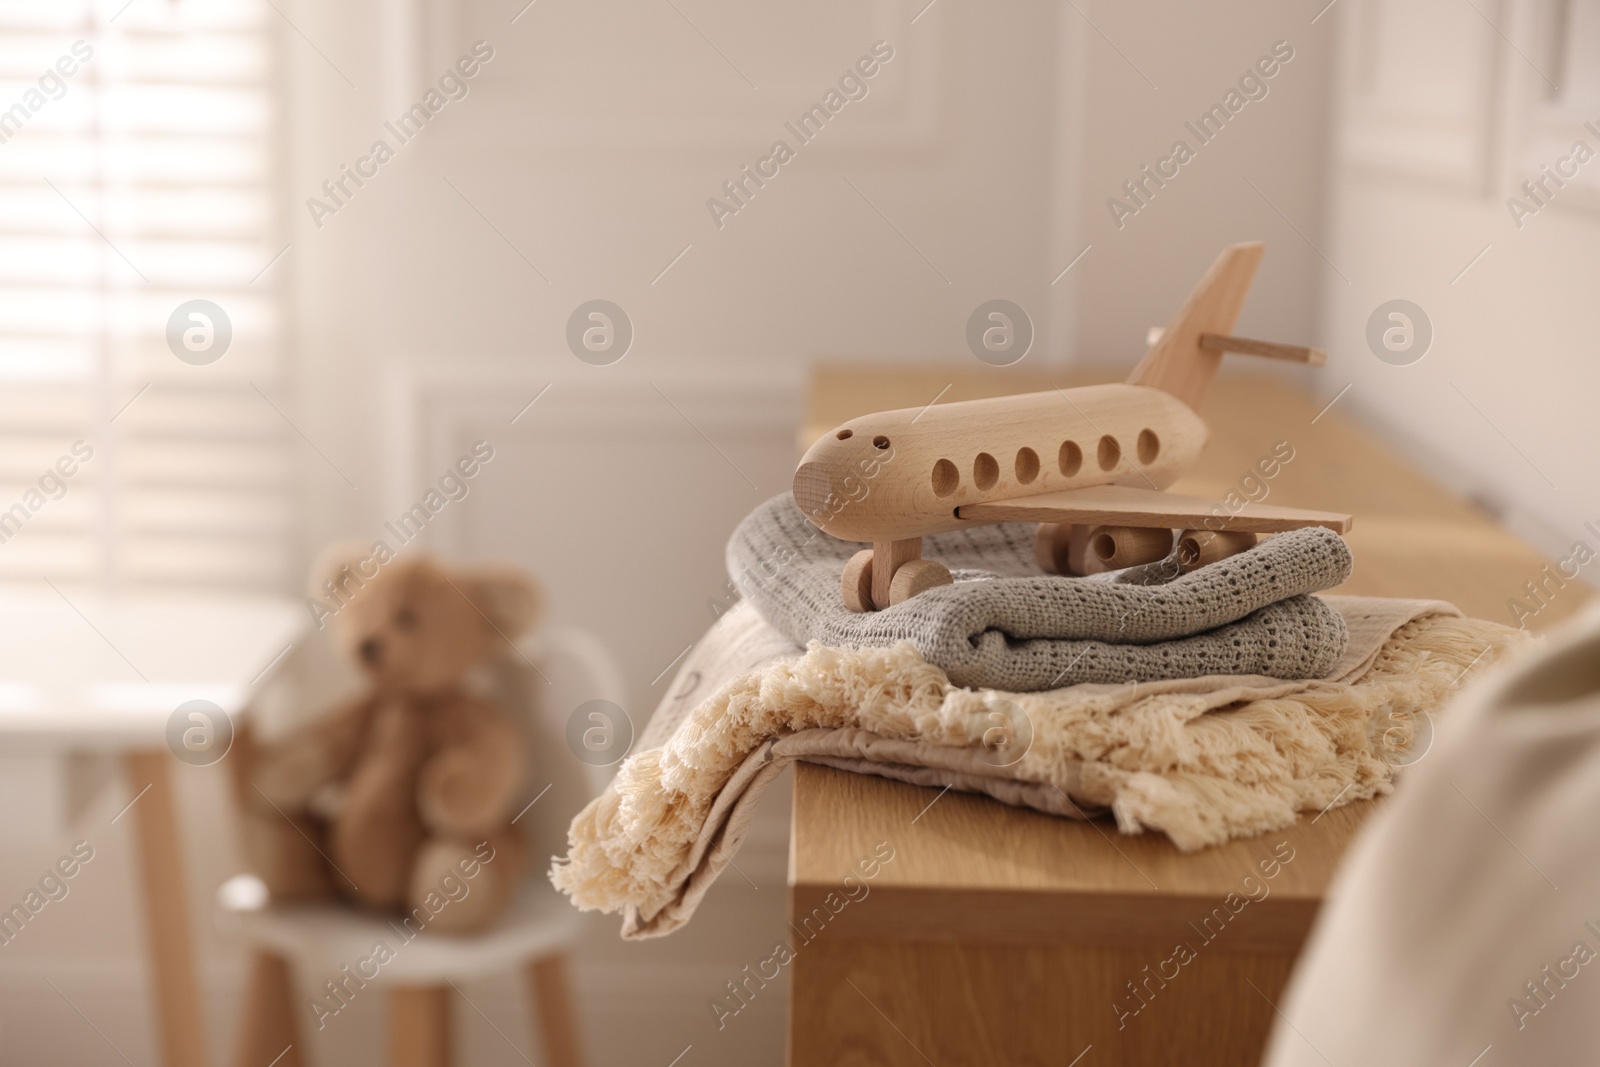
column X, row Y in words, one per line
column 1006, row 625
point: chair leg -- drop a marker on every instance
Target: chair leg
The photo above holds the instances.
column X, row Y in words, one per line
column 552, row 1003
column 267, row 1033
column 419, row 1026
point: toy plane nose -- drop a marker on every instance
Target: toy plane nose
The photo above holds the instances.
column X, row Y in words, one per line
column 812, row 487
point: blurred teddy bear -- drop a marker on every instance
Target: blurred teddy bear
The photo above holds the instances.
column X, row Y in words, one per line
column 408, row 786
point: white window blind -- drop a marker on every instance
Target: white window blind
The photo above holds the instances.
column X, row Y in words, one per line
column 141, row 180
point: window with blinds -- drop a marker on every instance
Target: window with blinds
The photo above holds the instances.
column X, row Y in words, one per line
column 138, row 156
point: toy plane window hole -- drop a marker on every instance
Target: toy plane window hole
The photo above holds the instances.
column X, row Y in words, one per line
column 1070, row 459
column 880, row 442
column 1109, row 453
column 1149, row 446
column 1027, row 465
column 946, row 479
column 845, row 435
column 985, row 471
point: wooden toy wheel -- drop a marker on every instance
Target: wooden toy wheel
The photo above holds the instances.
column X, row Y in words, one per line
column 917, row 576
column 1112, row 548
column 1197, row 548
column 1050, row 547
column 1062, row 548
column 855, row 587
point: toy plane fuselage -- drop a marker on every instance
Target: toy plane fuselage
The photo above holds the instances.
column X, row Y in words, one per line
column 1091, row 463
column 901, row 474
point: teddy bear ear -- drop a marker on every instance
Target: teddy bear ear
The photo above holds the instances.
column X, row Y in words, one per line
column 331, row 561
column 508, row 597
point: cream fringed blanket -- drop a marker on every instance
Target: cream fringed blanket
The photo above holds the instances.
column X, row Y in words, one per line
column 1203, row 760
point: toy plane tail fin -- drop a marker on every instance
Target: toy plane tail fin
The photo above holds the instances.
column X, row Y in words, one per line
column 1177, row 363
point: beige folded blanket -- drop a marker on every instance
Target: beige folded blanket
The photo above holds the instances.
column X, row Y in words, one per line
column 1203, row 760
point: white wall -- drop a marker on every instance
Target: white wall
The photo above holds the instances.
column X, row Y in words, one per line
column 591, row 142
column 1135, row 276
column 1443, row 116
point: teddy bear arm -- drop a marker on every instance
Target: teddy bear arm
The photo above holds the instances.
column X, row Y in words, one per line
column 469, row 785
column 290, row 770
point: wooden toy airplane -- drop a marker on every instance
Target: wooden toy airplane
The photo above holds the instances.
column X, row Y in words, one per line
column 1090, row 464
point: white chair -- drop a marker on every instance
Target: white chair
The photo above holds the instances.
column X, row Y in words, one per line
column 319, row 942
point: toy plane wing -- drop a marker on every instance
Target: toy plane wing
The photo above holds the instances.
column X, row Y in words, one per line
column 1122, row 505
